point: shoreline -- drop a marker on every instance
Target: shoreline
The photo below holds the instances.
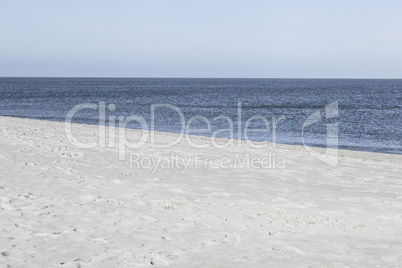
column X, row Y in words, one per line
column 70, row 206
column 341, row 149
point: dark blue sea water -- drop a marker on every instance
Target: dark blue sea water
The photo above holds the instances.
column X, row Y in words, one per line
column 369, row 111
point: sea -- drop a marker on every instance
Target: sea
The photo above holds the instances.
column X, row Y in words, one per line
column 358, row 114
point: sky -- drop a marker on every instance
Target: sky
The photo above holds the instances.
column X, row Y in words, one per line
column 219, row 38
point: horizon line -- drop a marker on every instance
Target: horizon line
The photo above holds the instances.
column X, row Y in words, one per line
column 178, row 77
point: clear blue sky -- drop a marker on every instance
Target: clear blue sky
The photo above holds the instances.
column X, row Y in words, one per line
column 219, row 38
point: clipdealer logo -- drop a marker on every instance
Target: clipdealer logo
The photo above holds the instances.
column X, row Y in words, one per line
column 114, row 134
column 331, row 154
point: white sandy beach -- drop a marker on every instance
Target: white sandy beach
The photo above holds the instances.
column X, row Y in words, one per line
column 63, row 206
